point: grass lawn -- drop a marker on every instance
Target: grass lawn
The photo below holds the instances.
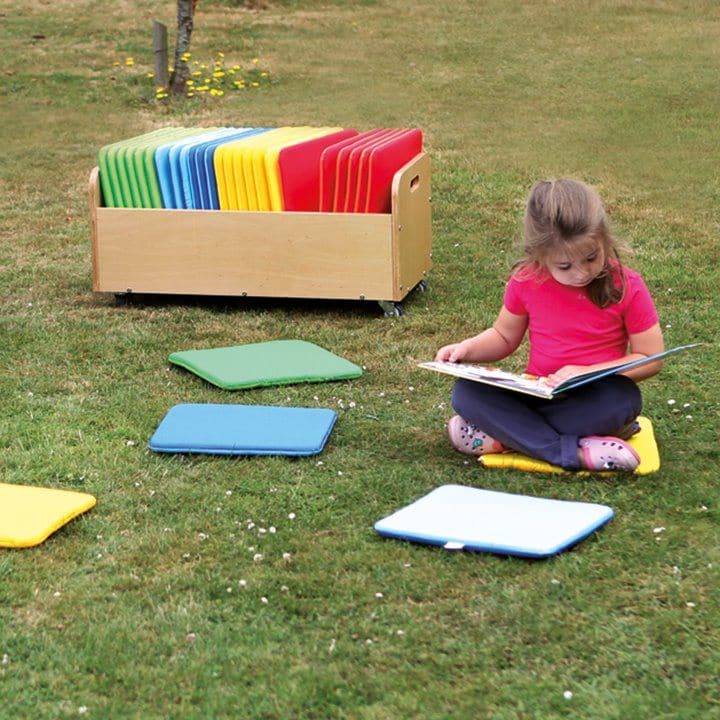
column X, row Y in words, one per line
column 157, row 604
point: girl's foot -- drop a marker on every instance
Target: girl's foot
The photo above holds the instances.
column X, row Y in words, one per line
column 607, row 453
column 470, row 440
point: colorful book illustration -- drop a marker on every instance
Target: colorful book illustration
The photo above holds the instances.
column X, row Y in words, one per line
column 532, row 384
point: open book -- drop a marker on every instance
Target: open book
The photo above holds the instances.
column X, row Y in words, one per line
column 532, row 384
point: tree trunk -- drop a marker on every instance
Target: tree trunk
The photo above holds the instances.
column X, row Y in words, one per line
column 181, row 70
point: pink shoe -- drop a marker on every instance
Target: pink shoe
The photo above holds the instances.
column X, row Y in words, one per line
column 470, row 440
column 608, row 453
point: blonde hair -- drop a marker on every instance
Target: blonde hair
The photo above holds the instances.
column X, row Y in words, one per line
column 557, row 215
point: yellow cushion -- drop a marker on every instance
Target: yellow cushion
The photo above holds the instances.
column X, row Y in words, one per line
column 643, row 442
column 29, row 515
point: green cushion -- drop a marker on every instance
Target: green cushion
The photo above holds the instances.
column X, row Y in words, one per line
column 128, row 177
column 277, row 362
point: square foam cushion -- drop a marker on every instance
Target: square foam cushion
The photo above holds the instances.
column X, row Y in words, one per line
column 29, row 515
column 277, row 362
column 643, row 442
column 219, row 429
column 459, row 517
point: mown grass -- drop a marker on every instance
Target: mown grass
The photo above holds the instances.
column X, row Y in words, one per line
column 151, row 605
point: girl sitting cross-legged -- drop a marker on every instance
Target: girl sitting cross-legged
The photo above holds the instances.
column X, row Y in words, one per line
column 583, row 310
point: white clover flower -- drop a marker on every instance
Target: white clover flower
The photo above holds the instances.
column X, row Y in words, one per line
column 568, row 695
column 291, row 516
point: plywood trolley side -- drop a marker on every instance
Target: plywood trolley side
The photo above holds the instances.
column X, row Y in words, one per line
column 411, row 225
column 95, row 199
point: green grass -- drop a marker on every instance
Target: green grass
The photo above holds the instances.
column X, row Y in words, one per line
column 137, row 610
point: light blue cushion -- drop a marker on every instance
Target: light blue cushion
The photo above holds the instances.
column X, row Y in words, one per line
column 221, row 429
column 459, row 517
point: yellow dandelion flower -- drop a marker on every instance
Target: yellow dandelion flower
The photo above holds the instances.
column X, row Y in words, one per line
column 189, row 81
column 202, row 88
column 256, row 84
column 221, row 54
column 116, row 63
column 129, row 61
column 263, row 74
column 197, row 73
column 236, row 67
column 218, row 74
column 219, row 93
column 255, row 61
column 151, row 75
column 191, row 94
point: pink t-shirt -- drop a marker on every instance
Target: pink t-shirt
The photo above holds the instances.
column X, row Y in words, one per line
column 567, row 328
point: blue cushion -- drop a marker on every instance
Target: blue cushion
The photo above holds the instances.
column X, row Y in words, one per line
column 204, row 167
column 220, row 429
column 458, row 517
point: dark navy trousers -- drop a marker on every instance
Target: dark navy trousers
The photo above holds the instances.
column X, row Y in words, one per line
column 550, row 429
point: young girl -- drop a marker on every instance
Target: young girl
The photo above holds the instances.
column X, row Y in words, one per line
column 584, row 310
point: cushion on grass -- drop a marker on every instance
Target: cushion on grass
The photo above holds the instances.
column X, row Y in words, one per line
column 277, row 362
column 219, row 429
column 458, row 517
column 643, row 442
column 29, row 515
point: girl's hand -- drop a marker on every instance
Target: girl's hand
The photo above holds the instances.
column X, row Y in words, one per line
column 450, row 353
column 565, row 373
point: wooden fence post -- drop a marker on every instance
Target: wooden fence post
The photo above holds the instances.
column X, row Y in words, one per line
column 160, row 51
